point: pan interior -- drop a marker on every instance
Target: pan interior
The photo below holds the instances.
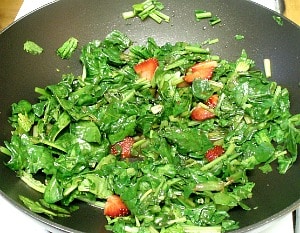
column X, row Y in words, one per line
column 274, row 194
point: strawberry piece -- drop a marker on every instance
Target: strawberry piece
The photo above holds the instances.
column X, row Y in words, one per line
column 201, row 114
column 189, row 78
column 123, row 147
column 115, row 207
column 212, row 101
column 206, row 65
column 203, row 70
column 183, row 84
column 147, row 68
column 214, row 153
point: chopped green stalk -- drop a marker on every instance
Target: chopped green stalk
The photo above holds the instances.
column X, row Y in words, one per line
column 196, row 49
column 139, row 7
column 42, row 92
column 127, row 95
column 213, row 41
column 214, row 20
column 267, row 66
column 146, row 12
column 202, row 14
column 139, row 143
column 195, row 229
column 67, row 49
column 155, row 17
column 211, row 164
column 148, row 8
column 128, row 14
column 175, row 64
column 162, row 15
column 210, row 186
column 145, row 195
column 32, row 48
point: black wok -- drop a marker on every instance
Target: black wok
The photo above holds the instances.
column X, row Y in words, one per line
column 274, row 194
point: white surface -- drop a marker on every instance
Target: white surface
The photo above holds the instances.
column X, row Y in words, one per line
column 271, row 4
column 13, row 220
column 30, row 5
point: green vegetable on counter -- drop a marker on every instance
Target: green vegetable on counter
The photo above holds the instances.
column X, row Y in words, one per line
column 32, row 48
column 140, row 127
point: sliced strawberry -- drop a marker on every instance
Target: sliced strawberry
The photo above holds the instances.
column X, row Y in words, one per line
column 212, row 101
column 115, row 207
column 203, row 70
column 147, row 68
column 189, row 78
column 201, row 114
column 214, row 153
column 123, row 147
column 183, row 84
column 205, row 65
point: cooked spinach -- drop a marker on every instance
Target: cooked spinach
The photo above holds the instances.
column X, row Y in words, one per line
column 172, row 187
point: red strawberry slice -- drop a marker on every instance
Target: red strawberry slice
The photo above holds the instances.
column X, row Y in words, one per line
column 115, row 207
column 214, row 153
column 212, row 101
column 183, row 84
column 123, row 147
column 204, row 65
column 201, row 114
column 203, row 70
column 147, row 68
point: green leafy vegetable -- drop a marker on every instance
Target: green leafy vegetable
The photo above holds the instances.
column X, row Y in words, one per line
column 43, row 207
column 74, row 136
column 278, row 20
column 32, row 48
column 67, row 49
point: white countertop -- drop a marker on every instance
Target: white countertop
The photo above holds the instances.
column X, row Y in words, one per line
column 13, row 220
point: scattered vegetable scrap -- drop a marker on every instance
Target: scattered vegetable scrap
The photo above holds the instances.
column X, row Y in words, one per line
column 239, row 37
column 202, row 14
column 148, row 8
column 278, row 20
column 32, row 48
column 67, row 49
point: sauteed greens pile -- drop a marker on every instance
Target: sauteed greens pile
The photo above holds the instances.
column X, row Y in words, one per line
column 168, row 184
